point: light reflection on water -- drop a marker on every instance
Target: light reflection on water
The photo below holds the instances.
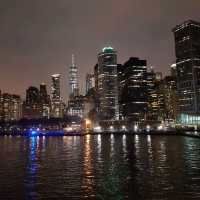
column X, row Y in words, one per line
column 88, row 176
column 99, row 150
column 31, row 178
column 100, row 167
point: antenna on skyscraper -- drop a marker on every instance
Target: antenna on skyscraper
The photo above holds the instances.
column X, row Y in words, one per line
column 73, row 60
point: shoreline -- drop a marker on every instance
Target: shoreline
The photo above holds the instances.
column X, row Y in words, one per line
column 152, row 133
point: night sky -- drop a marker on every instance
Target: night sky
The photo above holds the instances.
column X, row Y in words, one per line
column 37, row 37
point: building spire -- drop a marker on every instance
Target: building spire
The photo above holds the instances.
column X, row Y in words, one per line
column 73, row 60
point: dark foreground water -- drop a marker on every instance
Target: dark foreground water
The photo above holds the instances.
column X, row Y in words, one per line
column 100, row 167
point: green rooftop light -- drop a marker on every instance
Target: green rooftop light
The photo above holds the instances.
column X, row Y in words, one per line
column 107, row 50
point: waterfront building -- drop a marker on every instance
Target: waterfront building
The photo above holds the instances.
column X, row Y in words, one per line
column 156, row 96
column 170, row 98
column 133, row 90
column 90, row 107
column 56, row 103
column 10, row 107
column 187, row 48
column 16, row 107
column 76, row 106
column 73, row 78
column 106, row 84
column 32, row 108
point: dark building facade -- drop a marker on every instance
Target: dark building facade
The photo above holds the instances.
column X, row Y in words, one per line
column 45, row 101
column 133, row 89
column 187, row 48
column 32, row 108
column 32, row 95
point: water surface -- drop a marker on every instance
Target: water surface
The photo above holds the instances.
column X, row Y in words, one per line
column 100, row 167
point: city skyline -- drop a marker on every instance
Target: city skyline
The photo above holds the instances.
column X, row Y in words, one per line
column 99, row 99
column 40, row 43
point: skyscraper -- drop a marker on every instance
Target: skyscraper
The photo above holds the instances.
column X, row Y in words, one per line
column 90, row 82
column 170, row 97
column 44, row 100
column 16, row 107
column 32, row 107
column 32, row 95
column 133, row 90
column 73, row 78
column 187, row 48
column 11, row 107
column 43, row 93
column 56, row 104
column 107, row 88
column 155, row 90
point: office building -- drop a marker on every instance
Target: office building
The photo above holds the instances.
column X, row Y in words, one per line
column 187, row 48
column 32, row 108
column 10, row 107
column 76, row 106
column 107, row 85
column 133, row 90
column 56, row 103
column 156, row 104
column 170, row 98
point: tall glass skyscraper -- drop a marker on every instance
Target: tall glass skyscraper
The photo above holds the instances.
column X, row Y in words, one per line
column 187, row 47
column 73, row 78
column 107, row 84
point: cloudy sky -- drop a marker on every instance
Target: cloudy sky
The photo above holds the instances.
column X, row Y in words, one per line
column 37, row 37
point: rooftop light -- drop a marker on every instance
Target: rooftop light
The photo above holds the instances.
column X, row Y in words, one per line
column 107, row 49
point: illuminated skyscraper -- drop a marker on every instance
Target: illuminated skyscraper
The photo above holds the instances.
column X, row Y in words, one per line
column 156, row 107
column 56, row 104
column 187, row 47
column 73, row 78
column 107, row 88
